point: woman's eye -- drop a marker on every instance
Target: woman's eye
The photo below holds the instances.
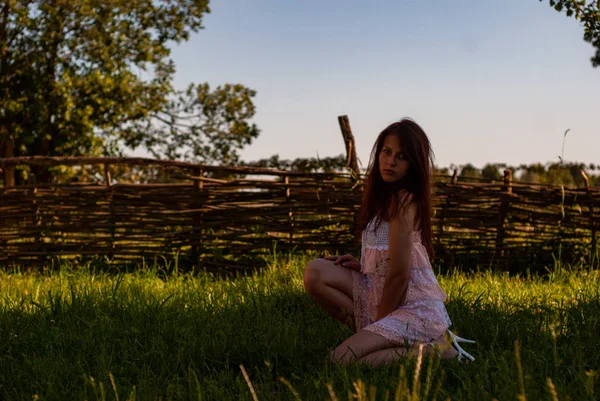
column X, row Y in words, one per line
column 401, row 156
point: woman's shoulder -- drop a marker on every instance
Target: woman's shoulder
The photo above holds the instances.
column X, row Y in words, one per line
column 403, row 204
column 405, row 197
column 406, row 208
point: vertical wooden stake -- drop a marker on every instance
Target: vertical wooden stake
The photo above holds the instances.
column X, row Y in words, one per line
column 352, row 160
column 593, row 247
column 454, row 177
column 288, row 194
column 7, row 149
column 107, row 178
column 112, row 208
column 503, row 214
column 352, row 163
column 442, row 218
column 37, row 223
column 197, row 220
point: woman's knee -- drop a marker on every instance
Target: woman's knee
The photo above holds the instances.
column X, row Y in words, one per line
column 345, row 354
column 312, row 277
column 359, row 345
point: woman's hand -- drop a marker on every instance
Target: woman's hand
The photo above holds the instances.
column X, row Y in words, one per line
column 347, row 260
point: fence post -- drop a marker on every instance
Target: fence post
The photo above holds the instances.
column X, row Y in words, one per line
column 197, row 220
column 503, row 214
column 352, row 163
column 351, row 159
column 111, row 206
column 288, row 199
column 7, row 149
column 454, row 176
column 37, row 221
column 592, row 220
column 442, row 218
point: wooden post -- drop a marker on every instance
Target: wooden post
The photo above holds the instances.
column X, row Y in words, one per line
column 37, row 222
column 352, row 163
column 454, row 176
column 197, row 220
column 445, row 206
column 111, row 206
column 107, row 178
column 593, row 229
column 288, row 194
column 7, row 149
column 351, row 160
column 503, row 214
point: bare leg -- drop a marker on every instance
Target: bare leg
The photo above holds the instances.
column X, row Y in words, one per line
column 445, row 348
column 389, row 355
column 384, row 356
column 375, row 350
column 331, row 287
column 361, row 345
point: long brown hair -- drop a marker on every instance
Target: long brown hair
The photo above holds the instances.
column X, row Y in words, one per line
column 383, row 200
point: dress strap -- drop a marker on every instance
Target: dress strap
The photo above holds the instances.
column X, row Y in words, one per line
column 417, row 238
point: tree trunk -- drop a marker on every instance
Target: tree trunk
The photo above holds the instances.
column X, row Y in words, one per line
column 44, row 143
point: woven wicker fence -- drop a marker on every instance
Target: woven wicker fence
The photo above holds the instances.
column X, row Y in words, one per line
column 229, row 223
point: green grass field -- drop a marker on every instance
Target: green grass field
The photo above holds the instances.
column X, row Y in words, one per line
column 156, row 335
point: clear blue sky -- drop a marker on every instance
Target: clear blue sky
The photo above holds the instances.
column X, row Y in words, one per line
column 489, row 80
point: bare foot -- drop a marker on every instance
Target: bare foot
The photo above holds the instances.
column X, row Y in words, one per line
column 446, row 350
column 449, row 353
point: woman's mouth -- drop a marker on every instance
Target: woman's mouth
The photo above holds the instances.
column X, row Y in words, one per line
column 391, row 172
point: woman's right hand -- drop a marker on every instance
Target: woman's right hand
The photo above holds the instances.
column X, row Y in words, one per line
column 347, row 260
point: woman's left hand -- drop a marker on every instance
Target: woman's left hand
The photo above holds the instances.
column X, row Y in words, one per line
column 348, row 261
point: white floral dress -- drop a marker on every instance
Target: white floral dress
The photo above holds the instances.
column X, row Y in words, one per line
column 422, row 318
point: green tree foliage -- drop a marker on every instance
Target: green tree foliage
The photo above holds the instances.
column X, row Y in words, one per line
column 556, row 173
column 469, row 171
column 442, row 171
column 533, row 173
column 199, row 124
column 492, row 171
column 309, row 165
column 588, row 13
column 85, row 77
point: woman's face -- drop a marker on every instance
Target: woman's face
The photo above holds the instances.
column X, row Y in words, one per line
column 393, row 165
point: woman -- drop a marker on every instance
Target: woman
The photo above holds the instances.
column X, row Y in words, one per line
column 391, row 298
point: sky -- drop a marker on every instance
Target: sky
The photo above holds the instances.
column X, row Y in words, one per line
column 490, row 81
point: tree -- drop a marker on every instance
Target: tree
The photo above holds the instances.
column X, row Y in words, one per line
column 588, row 13
column 199, row 124
column 558, row 173
column 441, row 171
column 469, row 171
column 71, row 82
column 491, row 172
column 534, row 173
column 334, row 164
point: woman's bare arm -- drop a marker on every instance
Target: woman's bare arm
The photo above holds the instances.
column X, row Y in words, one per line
column 400, row 255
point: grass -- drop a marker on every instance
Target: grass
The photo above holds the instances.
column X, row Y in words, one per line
column 150, row 335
